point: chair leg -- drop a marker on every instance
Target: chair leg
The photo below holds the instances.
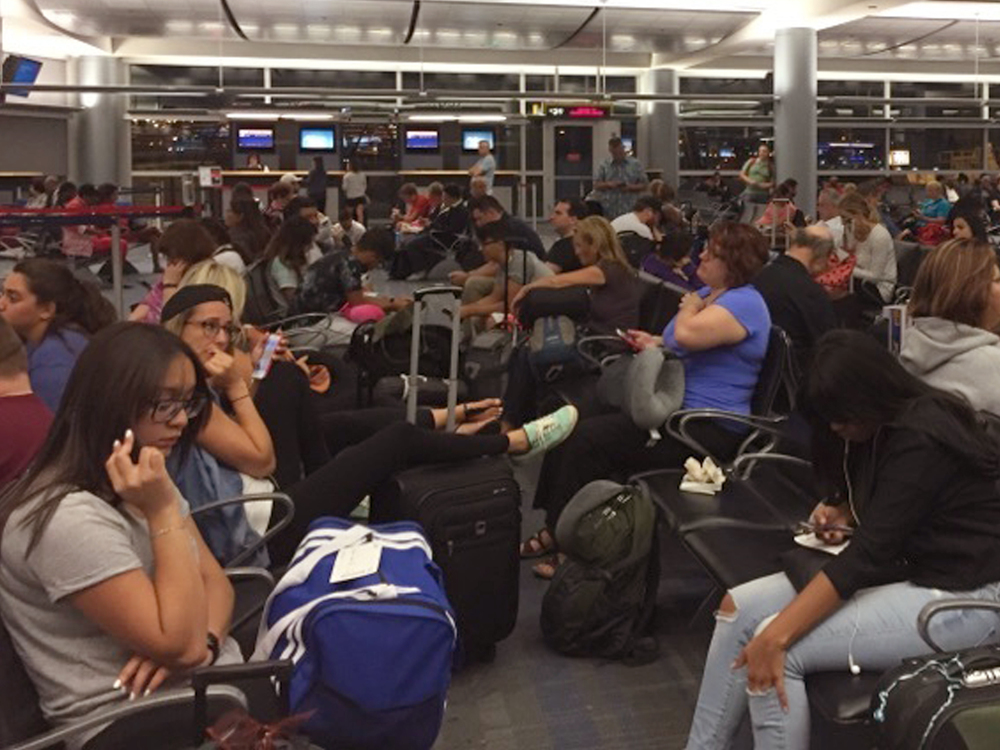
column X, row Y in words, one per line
column 706, row 610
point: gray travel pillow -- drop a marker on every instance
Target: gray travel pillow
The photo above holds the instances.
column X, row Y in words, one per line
column 653, row 388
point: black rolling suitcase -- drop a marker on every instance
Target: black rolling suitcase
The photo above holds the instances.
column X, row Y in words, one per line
column 471, row 513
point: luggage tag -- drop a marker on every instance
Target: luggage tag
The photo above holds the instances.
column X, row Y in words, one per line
column 357, row 561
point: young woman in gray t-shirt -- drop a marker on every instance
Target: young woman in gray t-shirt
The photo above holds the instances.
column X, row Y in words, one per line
column 106, row 586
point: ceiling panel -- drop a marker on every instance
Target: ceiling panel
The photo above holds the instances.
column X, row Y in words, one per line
column 507, row 25
column 909, row 38
column 197, row 18
column 466, row 24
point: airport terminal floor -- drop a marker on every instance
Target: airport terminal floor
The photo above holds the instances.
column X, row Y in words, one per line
column 453, row 374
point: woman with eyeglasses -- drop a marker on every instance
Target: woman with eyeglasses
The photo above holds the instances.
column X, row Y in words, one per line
column 106, row 586
column 54, row 313
column 231, row 456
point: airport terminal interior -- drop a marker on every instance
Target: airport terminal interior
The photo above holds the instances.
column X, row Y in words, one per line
column 705, row 301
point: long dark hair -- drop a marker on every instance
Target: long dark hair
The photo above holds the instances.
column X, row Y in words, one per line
column 79, row 304
column 114, row 382
column 291, row 243
column 252, row 234
column 854, row 380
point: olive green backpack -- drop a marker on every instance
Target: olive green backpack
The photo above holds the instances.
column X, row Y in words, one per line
column 602, row 599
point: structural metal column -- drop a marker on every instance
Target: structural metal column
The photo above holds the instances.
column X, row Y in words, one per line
column 795, row 112
column 100, row 136
column 658, row 127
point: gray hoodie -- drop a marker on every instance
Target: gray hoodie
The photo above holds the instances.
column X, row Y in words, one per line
column 956, row 358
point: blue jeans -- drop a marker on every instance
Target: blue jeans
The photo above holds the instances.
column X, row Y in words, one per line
column 877, row 626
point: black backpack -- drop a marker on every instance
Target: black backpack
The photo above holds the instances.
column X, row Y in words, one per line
column 602, row 599
column 382, row 348
column 264, row 304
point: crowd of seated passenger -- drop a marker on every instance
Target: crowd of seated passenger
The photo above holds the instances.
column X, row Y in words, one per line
column 154, row 421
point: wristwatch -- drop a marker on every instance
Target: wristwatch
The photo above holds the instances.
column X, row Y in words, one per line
column 213, row 646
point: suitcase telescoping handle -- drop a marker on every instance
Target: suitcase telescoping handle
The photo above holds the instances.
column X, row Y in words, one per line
column 413, row 381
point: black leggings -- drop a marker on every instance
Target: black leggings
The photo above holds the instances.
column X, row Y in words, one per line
column 521, row 397
column 359, row 470
column 342, row 429
column 610, row 446
column 286, row 404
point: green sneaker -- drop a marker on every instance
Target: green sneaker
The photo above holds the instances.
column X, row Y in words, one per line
column 550, row 430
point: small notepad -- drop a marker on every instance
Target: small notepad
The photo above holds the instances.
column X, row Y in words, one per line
column 811, row 541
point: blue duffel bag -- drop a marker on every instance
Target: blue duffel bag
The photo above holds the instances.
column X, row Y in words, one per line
column 362, row 614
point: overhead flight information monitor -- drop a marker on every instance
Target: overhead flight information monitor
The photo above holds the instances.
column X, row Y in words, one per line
column 317, row 139
column 255, row 139
column 471, row 139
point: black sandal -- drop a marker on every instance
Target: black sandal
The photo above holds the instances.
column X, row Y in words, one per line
column 539, row 545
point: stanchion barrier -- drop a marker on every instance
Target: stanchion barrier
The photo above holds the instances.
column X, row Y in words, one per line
column 99, row 216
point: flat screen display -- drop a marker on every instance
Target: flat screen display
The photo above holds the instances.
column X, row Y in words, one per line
column 255, row 139
column 317, row 139
column 20, row 70
column 471, row 139
column 421, row 140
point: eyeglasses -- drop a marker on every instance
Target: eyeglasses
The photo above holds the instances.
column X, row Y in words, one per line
column 166, row 410
column 212, row 328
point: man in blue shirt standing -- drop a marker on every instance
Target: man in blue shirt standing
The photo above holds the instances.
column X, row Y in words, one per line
column 617, row 181
column 486, row 167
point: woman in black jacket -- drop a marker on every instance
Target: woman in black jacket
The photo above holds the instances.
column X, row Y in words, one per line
column 915, row 477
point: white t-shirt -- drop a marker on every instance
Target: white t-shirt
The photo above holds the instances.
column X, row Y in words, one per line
column 353, row 234
column 629, row 222
column 354, row 185
column 69, row 658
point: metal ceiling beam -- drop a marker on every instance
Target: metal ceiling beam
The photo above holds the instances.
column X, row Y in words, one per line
column 426, row 96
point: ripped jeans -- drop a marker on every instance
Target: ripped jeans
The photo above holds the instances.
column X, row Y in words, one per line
column 877, row 627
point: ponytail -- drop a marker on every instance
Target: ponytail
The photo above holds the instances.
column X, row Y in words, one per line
column 79, row 304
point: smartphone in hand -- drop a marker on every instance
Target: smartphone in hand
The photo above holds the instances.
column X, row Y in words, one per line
column 263, row 366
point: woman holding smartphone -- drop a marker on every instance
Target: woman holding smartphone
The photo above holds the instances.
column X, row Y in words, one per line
column 234, row 450
column 106, row 586
column 915, row 476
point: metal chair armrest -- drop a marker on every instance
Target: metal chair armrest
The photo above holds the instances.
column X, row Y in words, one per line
column 278, row 498
column 677, row 426
column 294, row 321
column 683, row 417
column 750, row 460
column 932, row 609
column 585, row 343
column 177, row 697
